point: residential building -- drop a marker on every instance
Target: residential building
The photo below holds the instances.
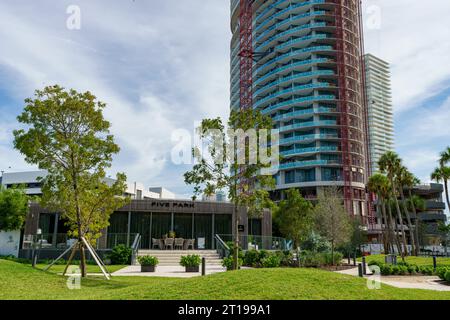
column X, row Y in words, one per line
column 380, row 111
column 308, row 77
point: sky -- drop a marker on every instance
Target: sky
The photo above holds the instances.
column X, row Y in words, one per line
column 162, row 66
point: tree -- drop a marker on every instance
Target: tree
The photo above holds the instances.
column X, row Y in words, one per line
column 13, row 208
column 405, row 180
column 68, row 136
column 444, row 230
column 390, row 163
column 332, row 220
column 379, row 184
column 232, row 163
column 294, row 217
column 442, row 174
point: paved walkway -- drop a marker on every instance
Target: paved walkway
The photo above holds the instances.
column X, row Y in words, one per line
column 407, row 282
column 165, row 271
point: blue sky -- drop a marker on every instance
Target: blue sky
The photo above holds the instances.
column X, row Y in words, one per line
column 162, row 65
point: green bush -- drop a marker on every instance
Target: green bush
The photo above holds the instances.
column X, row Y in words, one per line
column 447, row 276
column 228, row 263
column 272, row 261
column 149, row 261
column 412, row 269
column 402, row 270
column 120, row 254
column 251, row 258
column 329, row 258
column 386, row 269
column 192, row 260
column 310, row 259
column 428, row 271
column 286, row 258
column 441, row 271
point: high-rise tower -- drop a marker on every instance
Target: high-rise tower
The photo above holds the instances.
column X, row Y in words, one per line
column 379, row 102
column 309, row 78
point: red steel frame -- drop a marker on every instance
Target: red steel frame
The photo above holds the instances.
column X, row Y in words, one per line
column 246, row 53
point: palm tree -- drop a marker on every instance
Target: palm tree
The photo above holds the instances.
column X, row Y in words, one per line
column 442, row 174
column 445, row 157
column 409, row 181
column 379, row 185
column 390, row 163
column 405, row 179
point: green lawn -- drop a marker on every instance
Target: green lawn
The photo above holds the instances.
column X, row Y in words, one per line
column 18, row 281
column 90, row 268
column 419, row 261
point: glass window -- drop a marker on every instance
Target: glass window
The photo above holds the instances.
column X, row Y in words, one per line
column 223, row 224
column 161, row 224
column 203, row 229
column 183, row 225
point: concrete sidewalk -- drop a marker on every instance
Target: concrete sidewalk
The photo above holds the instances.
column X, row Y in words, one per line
column 165, row 271
column 406, row 282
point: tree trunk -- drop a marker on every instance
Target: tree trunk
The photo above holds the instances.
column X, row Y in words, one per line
column 384, row 226
column 394, row 234
column 447, row 196
column 236, row 239
column 416, row 229
column 400, row 218
column 332, row 252
column 408, row 220
column 82, row 260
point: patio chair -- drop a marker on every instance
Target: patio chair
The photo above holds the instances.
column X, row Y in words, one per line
column 190, row 244
column 178, row 243
column 155, row 244
column 168, row 243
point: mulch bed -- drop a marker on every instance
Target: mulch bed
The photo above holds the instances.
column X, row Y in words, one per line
column 338, row 268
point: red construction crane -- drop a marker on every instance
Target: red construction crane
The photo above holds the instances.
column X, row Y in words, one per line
column 246, row 53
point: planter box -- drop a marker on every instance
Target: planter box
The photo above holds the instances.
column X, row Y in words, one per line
column 193, row 269
column 148, row 268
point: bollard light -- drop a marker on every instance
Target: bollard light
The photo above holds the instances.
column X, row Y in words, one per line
column 203, row 266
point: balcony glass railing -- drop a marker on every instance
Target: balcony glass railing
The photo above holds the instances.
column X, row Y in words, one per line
column 297, row 76
column 292, row 31
column 310, row 163
column 291, row 66
column 307, row 137
column 298, row 100
column 308, row 124
column 300, row 40
column 294, row 52
column 289, row 20
column 292, row 90
column 302, row 112
column 281, row 12
column 307, row 150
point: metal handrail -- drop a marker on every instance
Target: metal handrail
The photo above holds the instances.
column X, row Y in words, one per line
column 222, row 248
column 135, row 248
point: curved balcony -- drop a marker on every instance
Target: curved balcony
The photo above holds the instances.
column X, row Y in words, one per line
column 290, row 8
column 291, row 102
column 292, row 19
column 293, row 53
column 295, row 89
column 319, row 36
column 308, row 124
column 269, row 7
column 307, row 138
column 301, row 151
column 293, row 31
column 310, row 163
column 300, row 113
column 290, row 66
column 298, row 76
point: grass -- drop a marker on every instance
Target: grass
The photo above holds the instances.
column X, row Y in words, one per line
column 419, row 261
column 89, row 268
column 18, row 281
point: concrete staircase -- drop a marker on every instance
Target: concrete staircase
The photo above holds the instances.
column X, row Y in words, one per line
column 172, row 257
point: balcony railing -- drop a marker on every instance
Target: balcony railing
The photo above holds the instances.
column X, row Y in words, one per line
column 308, row 150
column 298, row 100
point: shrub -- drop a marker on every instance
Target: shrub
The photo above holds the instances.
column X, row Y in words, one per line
column 329, row 258
column 386, row 269
column 402, row 270
column 447, row 276
column 228, row 263
column 441, row 271
column 251, row 258
column 311, row 259
column 428, row 271
column 272, row 261
column 375, row 263
column 192, row 260
column 148, row 261
column 120, row 254
column 286, row 258
column 412, row 269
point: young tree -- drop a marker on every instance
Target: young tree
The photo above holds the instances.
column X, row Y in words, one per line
column 294, row 217
column 405, row 180
column 232, row 163
column 442, row 174
column 332, row 220
column 13, row 208
column 68, row 136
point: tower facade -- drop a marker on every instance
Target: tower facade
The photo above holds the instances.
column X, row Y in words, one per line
column 379, row 102
column 309, row 77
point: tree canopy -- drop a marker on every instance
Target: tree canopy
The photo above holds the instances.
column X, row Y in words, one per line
column 13, row 208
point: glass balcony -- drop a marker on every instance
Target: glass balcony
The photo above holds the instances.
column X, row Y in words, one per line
column 302, row 112
column 310, row 163
column 306, row 137
column 307, row 150
column 298, row 100
column 308, row 124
